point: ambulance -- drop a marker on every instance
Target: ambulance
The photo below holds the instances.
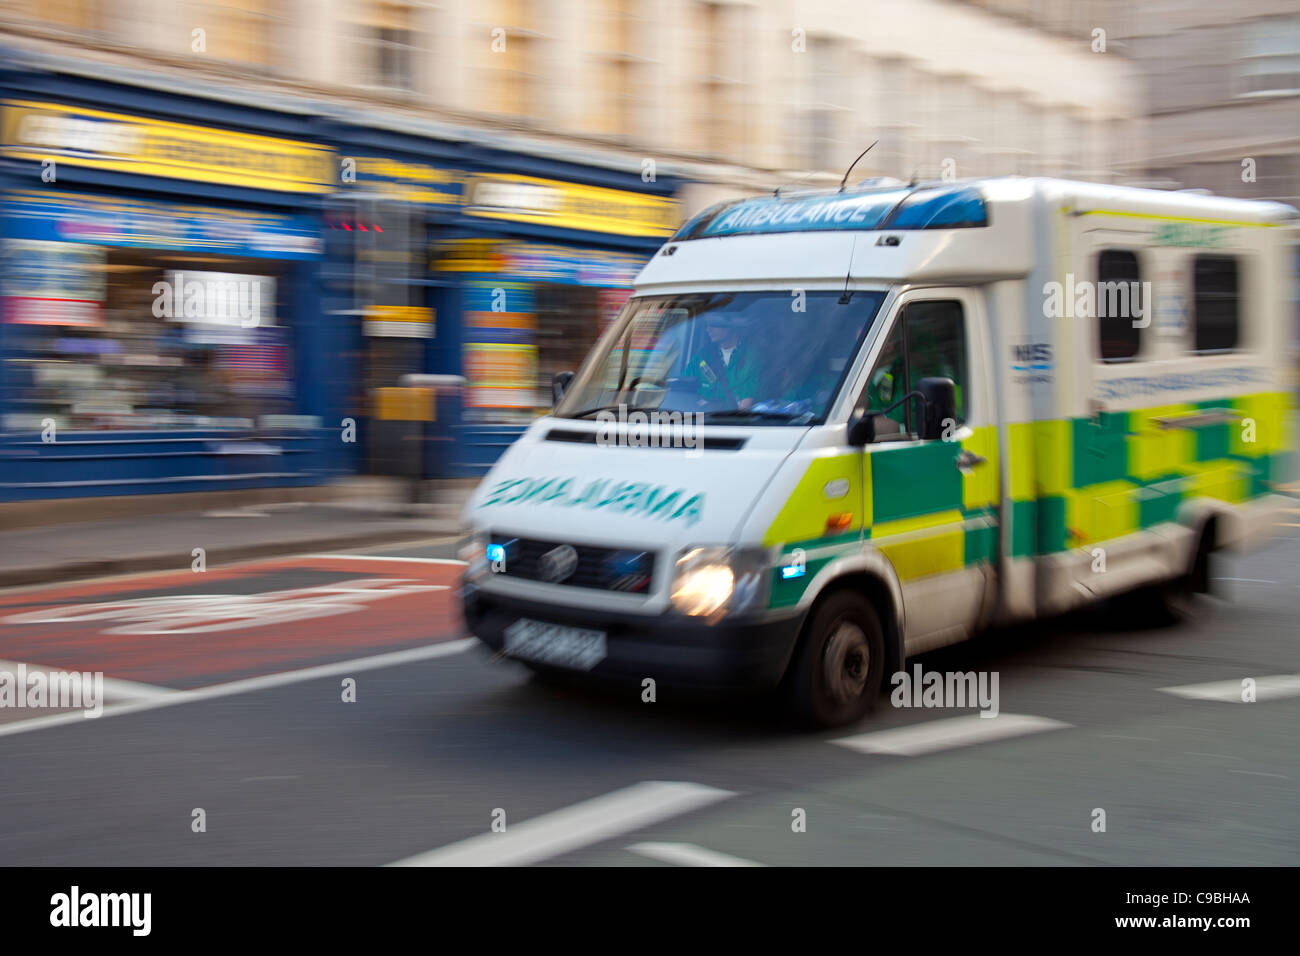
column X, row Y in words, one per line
column 835, row 429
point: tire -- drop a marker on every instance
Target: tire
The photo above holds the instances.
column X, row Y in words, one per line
column 1177, row 600
column 837, row 673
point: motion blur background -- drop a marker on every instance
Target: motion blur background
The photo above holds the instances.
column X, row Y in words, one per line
column 344, row 193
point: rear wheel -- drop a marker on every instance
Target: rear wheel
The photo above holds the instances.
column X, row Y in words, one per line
column 1178, row 600
column 837, row 675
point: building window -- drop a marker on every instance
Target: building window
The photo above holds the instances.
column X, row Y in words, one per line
column 1117, row 304
column 1270, row 60
column 242, row 31
column 386, row 39
column 1215, row 303
column 825, row 146
column 78, row 14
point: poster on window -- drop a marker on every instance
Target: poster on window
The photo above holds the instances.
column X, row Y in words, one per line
column 53, row 283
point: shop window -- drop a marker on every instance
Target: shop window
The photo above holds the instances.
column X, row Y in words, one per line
column 568, row 323
column 1215, row 303
column 1118, row 283
column 108, row 338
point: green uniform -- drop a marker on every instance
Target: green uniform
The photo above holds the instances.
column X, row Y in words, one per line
column 742, row 375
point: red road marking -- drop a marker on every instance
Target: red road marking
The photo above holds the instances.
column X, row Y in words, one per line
column 194, row 635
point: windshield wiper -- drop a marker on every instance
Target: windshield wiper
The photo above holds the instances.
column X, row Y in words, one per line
column 752, row 413
column 613, row 408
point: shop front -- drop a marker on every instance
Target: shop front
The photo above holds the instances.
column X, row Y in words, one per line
column 396, row 194
column 546, row 265
column 160, row 282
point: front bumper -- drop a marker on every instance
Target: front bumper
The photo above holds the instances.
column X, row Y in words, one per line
column 670, row 648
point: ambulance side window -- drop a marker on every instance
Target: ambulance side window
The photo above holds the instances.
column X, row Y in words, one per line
column 886, row 385
column 936, row 346
column 928, row 339
column 1119, row 279
column 1216, row 303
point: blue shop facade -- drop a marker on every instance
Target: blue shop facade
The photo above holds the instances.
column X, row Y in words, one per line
column 498, row 267
column 202, row 295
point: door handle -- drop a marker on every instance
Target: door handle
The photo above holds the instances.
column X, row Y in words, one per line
column 967, row 461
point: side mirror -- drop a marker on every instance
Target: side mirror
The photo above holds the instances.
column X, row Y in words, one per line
column 862, row 428
column 938, row 405
column 559, row 383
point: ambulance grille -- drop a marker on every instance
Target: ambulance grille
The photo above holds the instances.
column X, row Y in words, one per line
column 628, row 570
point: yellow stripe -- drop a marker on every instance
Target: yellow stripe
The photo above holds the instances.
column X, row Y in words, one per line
column 1153, row 451
column 1102, row 511
column 981, row 488
column 803, row 516
column 1222, row 479
column 916, row 554
column 1143, row 215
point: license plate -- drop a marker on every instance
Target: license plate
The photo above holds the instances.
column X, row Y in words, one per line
column 572, row 647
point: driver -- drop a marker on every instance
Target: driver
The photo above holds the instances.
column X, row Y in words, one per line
column 727, row 366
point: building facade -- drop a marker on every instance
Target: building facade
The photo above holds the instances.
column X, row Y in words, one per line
column 463, row 189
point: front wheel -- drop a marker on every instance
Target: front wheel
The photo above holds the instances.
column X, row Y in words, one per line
column 837, row 675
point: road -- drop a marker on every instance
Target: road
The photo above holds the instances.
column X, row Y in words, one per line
column 226, row 694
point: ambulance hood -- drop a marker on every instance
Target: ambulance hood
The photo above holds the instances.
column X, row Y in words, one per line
column 557, row 483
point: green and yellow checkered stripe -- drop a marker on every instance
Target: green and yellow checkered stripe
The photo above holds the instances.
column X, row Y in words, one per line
column 925, row 515
column 1082, row 481
column 1072, row 482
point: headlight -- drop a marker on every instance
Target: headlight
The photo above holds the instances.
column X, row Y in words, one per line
column 711, row 582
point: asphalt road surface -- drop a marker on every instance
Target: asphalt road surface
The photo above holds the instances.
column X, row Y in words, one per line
column 226, row 695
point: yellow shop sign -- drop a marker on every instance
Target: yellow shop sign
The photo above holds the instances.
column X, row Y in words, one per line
column 570, row 205
column 148, row 147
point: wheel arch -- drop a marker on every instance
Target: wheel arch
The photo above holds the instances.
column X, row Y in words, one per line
column 874, row 578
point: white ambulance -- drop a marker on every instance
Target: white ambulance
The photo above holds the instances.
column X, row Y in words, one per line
column 835, row 429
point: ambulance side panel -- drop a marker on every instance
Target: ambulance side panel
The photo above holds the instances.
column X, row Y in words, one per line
column 1134, row 454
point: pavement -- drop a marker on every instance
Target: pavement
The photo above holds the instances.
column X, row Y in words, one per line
column 327, row 709
column 378, row 512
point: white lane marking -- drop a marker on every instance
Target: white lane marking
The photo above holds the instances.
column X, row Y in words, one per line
column 1247, row 580
column 247, row 685
column 1273, row 687
column 688, row 854
column 563, row 831
column 380, row 557
column 1260, row 773
column 114, row 687
column 936, row 735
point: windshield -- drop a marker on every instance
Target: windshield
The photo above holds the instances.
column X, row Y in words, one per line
column 758, row 357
